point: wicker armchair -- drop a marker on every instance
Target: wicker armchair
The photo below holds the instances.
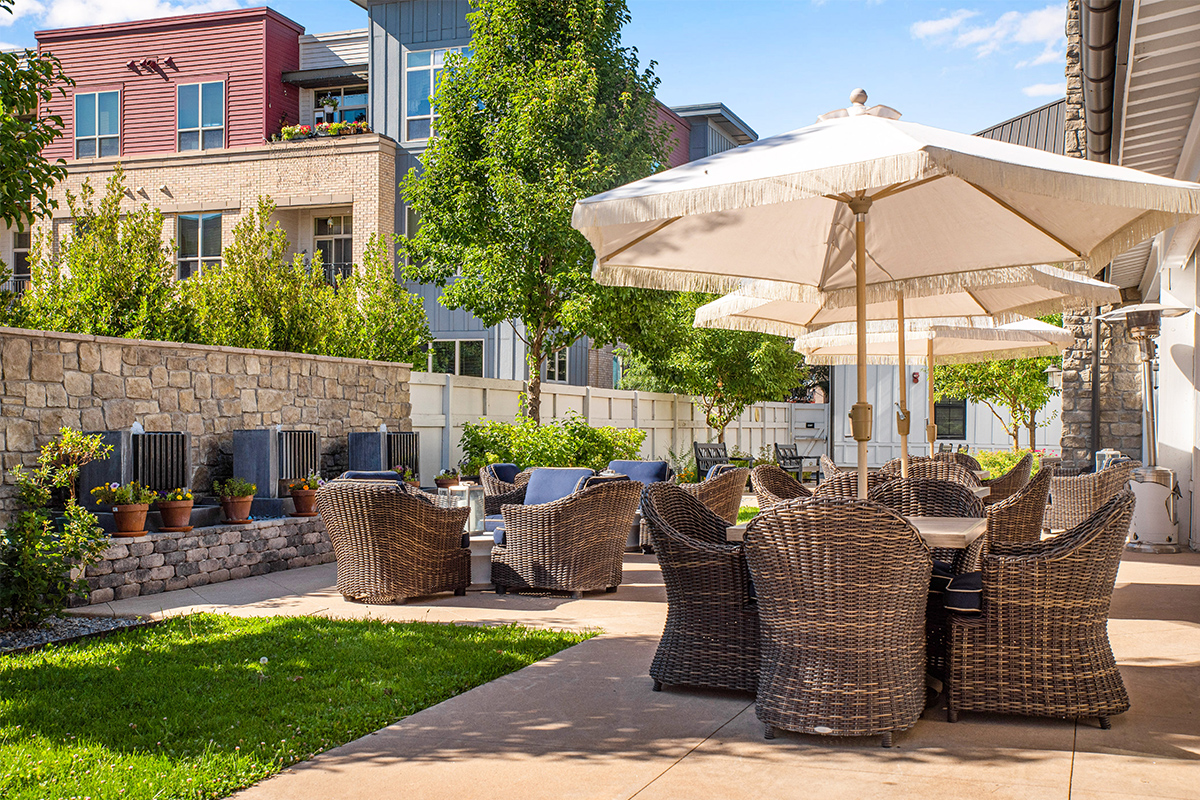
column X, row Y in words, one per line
column 1073, row 500
column 1015, row 520
column 845, row 484
column 828, row 468
column 941, row 470
column 722, row 494
column 964, row 460
column 711, row 634
column 392, row 544
column 841, row 587
column 1041, row 646
column 924, row 497
column 500, row 479
column 1010, row 482
column 893, row 466
column 773, row 485
column 575, row 544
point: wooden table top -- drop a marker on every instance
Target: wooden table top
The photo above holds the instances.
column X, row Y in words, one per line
column 956, row 532
column 982, row 474
column 982, row 491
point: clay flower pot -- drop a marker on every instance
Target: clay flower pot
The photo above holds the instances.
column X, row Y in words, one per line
column 237, row 509
column 176, row 514
column 445, row 483
column 305, row 501
column 131, row 519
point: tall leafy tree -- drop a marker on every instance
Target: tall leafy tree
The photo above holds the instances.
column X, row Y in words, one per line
column 27, row 80
column 727, row 370
column 548, row 108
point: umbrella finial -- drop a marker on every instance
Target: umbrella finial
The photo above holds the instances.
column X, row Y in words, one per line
column 858, row 97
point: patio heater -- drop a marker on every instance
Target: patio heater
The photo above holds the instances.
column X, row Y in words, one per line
column 1155, row 527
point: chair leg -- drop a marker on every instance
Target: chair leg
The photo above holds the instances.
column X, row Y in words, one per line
column 887, row 739
column 657, row 686
column 460, row 592
column 768, row 731
column 951, row 715
column 610, row 589
column 500, row 589
column 647, row 550
column 1105, row 724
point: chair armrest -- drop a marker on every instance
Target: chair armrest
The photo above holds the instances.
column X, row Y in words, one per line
column 494, row 503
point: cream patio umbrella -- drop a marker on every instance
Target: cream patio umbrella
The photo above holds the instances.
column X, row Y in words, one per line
column 1031, row 290
column 943, row 344
column 947, row 212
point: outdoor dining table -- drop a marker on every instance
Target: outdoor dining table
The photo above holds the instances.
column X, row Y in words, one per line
column 952, row 532
column 982, row 491
column 982, row 474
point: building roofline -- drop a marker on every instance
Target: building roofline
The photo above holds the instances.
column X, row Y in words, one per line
column 720, row 113
column 1028, row 113
column 60, row 34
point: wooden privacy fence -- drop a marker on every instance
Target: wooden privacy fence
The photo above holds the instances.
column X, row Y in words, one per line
column 442, row 403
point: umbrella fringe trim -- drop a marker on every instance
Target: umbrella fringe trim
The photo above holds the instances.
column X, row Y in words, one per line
column 918, row 359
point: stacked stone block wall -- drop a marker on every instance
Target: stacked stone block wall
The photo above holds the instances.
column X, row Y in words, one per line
column 51, row 380
column 164, row 562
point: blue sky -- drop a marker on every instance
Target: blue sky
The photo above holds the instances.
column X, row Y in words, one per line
column 777, row 65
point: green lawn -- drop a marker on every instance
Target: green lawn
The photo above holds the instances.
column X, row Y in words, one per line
column 747, row 513
column 187, row 710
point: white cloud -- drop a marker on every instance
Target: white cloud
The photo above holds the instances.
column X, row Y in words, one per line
column 21, row 8
column 1045, row 90
column 75, row 13
column 6, row 46
column 932, row 28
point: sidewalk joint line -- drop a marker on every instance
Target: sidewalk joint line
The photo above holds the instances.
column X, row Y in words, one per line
column 691, row 750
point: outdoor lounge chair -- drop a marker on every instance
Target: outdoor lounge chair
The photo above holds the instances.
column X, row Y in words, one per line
column 645, row 473
column 940, row 470
column 391, row 543
column 1072, row 500
column 1011, row 481
column 842, row 587
column 845, row 484
column 962, row 458
column 563, row 539
column 711, row 635
column 892, row 467
column 773, row 485
column 502, row 478
column 722, row 493
column 828, row 468
column 1040, row 646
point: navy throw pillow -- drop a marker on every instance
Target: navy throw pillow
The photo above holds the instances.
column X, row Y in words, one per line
column 964, row 594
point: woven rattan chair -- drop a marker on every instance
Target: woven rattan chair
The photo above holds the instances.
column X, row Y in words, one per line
column 392, row 544
column 495, row 486
column 941, row 470
column 1072, row 500
column 845, row 484
column 773, row 485
column 964, row 460
column 1010, row 482
column 842, row 587
column 828, row 468
column 711, row 635
column 925, row 497
column 893, row 466
column 1014, row 520
column 575, row 544
column 722, row 494
column 1041, row 646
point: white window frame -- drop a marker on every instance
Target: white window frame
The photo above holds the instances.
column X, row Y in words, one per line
column 437, row 60
column 458, row 364
column 96, row 136
column 561, row 361
column 201, row 129
column 340, row 92
column 201, row 261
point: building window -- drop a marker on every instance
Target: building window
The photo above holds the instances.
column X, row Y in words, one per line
column 97, row 124
column 422, row 70
column 332, row 236
column 201, row 119
column 951, row 418
column 457, row 357
column 352, row 105
column 556, row 366
column 199, row 243
column 20, row 267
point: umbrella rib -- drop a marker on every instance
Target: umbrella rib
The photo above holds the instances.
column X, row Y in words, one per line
column 1073, row 250
column 897, row 188
column 639, row 239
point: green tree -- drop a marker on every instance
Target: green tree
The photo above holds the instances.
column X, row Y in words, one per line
column 728, row 370
column 547, row 109
column 28, row 79
column 112, row 276
column 1020, row 386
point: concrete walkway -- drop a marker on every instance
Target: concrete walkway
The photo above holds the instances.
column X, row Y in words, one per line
column 584, row 723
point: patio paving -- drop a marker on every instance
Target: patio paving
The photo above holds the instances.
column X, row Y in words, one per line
column 584, row 723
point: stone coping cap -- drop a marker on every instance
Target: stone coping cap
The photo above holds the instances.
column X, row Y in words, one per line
column 269, row 522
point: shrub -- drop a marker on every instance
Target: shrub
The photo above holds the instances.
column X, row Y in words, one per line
column 567, row 442
column 39, row 549
column 999, row 462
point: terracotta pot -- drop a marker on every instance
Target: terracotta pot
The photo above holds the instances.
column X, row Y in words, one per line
column 414, row 484
column 131, row 519
column 237, row 509
column 305, row 500
column 175, row 513
column 445, row 483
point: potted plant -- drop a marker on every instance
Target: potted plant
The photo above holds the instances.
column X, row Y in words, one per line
column 446, row 478
column 304, row 495
column 292, row 132
column 129, row 503
column 176, row 510
column 407, row 475
column 236, row 496
column 330, row 103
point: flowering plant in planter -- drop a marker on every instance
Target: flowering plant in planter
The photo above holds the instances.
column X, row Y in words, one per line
column 446, row 478
column 176, row 495
column 175, row 507
column 237, row 495
column 129, row 494
column 328, row 101
column 289, row 132
column 406, row 473
column 234, row 487
column 304, row 494
column 312, row 482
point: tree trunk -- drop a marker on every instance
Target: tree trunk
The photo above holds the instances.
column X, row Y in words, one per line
column 1032, row 430
column 533, row 393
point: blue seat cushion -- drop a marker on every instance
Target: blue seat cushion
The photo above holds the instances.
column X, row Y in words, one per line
column 942, row 574
column 494, row 524
column 964, row 594
column 717, row 469
column 373, row 475
column 646, row 472
column 505, row 472
column 548, row 484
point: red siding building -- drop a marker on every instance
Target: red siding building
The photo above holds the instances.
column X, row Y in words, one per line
column 201, row 81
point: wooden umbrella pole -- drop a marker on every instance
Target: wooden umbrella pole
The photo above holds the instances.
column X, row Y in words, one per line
column 931, row 427
column 860, row 413
column 902, row 414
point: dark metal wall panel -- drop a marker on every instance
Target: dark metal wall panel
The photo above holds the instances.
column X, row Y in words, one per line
column 1041, row 128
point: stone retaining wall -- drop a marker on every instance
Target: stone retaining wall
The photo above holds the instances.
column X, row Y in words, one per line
column 163, row 562
column 50, row 380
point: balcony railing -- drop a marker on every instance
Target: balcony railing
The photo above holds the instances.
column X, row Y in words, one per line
column 15, row 284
